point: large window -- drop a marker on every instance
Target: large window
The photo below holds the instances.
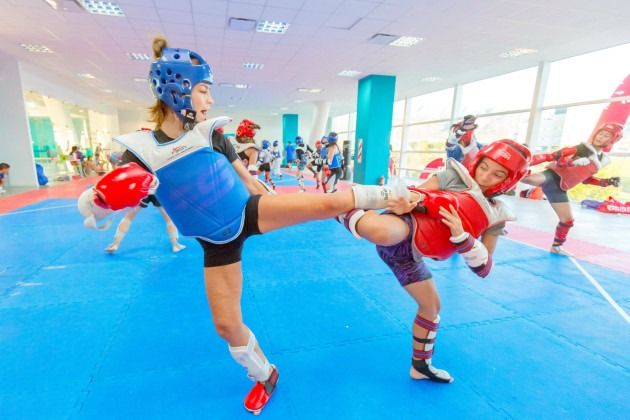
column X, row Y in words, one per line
column 399, row 113
column 427, row 137
column 509, row 92
column 566, row 126
column 340, row 123
column 506, row 126
column 587, row 77
column 431, row 107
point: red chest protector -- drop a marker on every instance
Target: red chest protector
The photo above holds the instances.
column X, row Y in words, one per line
column 431, row 236
column 570, row 176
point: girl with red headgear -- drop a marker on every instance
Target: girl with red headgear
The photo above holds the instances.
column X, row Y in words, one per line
column 569, row 167
column 450, row 211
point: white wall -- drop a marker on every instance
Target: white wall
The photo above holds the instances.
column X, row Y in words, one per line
column 15, row 139
column 49, row 84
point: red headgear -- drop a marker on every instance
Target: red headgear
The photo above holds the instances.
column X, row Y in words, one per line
column 246, row 129
column 615, row 129
column 510, row 154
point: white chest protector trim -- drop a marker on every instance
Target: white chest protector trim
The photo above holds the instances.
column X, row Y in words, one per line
column 156, row 156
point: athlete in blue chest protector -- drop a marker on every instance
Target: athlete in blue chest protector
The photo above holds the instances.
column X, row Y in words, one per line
column 196, row 174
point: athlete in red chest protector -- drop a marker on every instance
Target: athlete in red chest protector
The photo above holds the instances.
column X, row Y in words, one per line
column 569, row 167
column 451, row 210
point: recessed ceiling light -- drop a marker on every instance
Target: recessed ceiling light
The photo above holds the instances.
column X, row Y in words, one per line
column 139, row 56
column 231, row 106
column 98, row 7
column 253, row 66
column 107, row 91
column 272, row 27
column 349, row 73
column 298, row 101
column 53, row 3
column 140, row 79
column 86, row 75
column 284, row 108
column 309, row 90
column 515, row 52
column 240, row 24
column 226, row 84
column 405, row 41
column 241, row 86
column 430, row 79
column 37, row 48
column 382, row 39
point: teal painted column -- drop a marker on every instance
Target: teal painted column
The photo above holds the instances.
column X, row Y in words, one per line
column 375, row 106
column 289, row 128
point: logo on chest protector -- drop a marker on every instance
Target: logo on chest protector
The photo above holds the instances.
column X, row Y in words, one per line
column 178, row 149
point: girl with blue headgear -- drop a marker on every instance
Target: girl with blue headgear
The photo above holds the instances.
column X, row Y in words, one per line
column 197, row 176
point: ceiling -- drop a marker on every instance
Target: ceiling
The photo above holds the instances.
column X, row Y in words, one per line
column 462, row 43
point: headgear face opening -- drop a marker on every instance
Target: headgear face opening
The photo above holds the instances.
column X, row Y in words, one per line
column 616, row 132
column 174, row 75
column 513, row 156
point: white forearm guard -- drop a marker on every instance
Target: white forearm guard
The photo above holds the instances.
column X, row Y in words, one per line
column 474, row 252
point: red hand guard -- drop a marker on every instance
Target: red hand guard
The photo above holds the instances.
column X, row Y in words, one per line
column 124, row 187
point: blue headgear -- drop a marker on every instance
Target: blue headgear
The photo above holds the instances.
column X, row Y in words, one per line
column 299, row 140
column 275, row 143
column 332, row 137
column 265, row 144
column 174, row 75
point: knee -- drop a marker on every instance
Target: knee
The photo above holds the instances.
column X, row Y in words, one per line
column 226, row 328
column 431, row 309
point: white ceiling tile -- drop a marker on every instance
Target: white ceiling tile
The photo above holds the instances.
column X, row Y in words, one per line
column 244, row 10
column 278, row 14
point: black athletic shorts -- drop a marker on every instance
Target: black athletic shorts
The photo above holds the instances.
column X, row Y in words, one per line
column 551, row 188
column 265, row 167
column 150, row 199
column 216, row 255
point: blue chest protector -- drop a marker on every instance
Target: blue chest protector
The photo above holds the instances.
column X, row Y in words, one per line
column 199, row 188
column 336, row 160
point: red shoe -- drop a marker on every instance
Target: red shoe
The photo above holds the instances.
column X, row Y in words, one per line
column 260, row 394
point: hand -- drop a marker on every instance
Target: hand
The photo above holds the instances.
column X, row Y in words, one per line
column 452, row 220
column 614, row 181
column 401, row 205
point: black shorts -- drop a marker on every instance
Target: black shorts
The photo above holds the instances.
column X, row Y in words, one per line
column 216, row 255
column 551, row 188
column 150, row 199
column 265, row 167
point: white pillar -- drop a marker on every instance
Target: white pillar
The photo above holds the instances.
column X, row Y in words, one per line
column 535, row 112
column 320, row 117
column 15, row 138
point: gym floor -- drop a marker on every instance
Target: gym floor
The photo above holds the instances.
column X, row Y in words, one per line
column 85, row 334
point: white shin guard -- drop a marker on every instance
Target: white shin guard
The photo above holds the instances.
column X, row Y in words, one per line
column 257, row 369
column 373, row 197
